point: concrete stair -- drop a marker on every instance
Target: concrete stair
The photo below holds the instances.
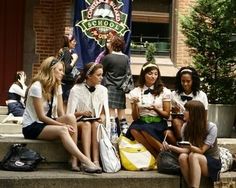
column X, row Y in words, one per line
column 55, row 173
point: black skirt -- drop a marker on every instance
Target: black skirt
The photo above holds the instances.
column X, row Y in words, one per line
column 214, row 167
column 154, row 129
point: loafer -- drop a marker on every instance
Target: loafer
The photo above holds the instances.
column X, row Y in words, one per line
column 90, row 169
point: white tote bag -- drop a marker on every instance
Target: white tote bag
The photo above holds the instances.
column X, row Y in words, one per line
column 108, row 154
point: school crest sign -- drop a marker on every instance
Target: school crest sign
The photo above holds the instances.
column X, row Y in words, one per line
column 102, row 19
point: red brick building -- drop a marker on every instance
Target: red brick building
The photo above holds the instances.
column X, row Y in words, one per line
column 31, row 30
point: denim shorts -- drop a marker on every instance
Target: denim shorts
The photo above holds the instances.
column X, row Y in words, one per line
column 32, row 131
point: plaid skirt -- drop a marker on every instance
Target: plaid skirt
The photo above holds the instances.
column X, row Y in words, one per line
column 116, row 98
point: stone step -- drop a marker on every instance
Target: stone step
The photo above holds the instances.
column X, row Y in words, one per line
column 54, row 178
column 55, row 152
column 10, row 128
column 53, row 172
column 63, row 179
column 3, row 110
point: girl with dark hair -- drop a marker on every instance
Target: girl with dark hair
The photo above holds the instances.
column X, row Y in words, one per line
column 201, row 155
column 105, row 52
column 115, row 66
column 68, row 55
column 44, row 116
column 88, row 98
column 16, row 95
column 187, row 88
column 150, row 103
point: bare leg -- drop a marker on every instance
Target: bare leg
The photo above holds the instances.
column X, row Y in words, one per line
column 152, row 141
column 121, row 113
column 184, row 166
column 71, row 120
column 85, row 129
column 52, row 132
column 177, row 125
column 95, row 147
column 198, row 167
column 141, row 139
column 112, row 112
column 170, row 137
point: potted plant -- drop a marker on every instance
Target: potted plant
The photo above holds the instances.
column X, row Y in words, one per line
column 150, row 52
column 209, row 31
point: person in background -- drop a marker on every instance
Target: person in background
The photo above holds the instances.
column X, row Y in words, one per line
column 201, row 156
column 115, row 66
column 105, row 52
column 68, row 55
column 90, row 99
column 44, row 117
column 187, row 88
column 16, row 95
column 150, row 103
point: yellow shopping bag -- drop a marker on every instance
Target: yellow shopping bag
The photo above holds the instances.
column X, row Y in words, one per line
column 134, row 156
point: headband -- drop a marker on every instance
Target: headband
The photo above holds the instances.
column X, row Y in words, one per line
column 149, row 65
column 90, row 69
column 186, row 70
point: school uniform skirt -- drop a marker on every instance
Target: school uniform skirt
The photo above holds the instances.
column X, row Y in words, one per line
column 116, row 98
column 154, row 129
column 214, row 167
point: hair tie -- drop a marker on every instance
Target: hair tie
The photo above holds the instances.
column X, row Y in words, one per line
column 149, row 65
column 90, row 69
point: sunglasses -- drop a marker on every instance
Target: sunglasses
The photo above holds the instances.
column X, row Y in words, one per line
column 55, row 61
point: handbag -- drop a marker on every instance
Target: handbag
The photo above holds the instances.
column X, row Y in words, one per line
column 168, row 163
column 108, row 154
column 134, row 156
column 21, row 158
column 226, row 158
column 128, row 82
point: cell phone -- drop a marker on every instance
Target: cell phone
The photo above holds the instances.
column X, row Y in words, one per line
column 183, row 143
column 177, row 115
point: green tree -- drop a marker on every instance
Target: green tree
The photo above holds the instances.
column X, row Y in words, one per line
column 150, row 52
column 209, row 30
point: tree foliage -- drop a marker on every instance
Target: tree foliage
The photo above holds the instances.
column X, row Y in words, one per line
column 150, row 52
column 210, row 30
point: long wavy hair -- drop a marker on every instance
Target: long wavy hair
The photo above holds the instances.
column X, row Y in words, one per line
column 195, row 80
column 158, row 85
column 89, row 69
column 196, row 129
column 46, row 77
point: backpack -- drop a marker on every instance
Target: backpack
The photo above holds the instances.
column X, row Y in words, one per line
column 21, row 158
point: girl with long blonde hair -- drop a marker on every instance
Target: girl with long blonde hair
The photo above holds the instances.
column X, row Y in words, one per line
column 44, row 117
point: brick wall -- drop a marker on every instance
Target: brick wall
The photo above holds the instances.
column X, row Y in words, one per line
column 182, row 56
column 50, row 19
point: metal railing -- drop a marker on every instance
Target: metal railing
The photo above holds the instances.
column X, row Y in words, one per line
column 139, row 45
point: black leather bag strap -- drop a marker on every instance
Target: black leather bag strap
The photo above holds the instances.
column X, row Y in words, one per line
column 49, row 113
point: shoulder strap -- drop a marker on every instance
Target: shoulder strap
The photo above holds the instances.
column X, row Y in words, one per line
column 49, row 114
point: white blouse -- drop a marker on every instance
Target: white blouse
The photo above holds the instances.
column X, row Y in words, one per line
column 81, row 99
column 149, row 99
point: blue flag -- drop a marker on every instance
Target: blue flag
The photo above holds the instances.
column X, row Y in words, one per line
column 95, row 21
